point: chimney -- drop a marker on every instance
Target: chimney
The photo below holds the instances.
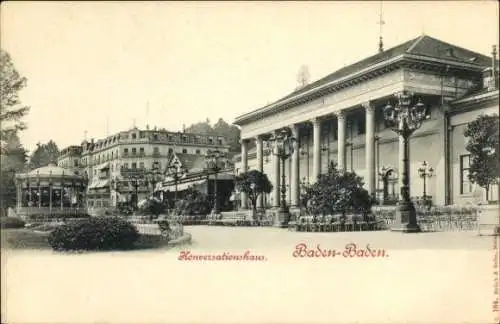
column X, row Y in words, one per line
column 494, row 70
column 183, row 128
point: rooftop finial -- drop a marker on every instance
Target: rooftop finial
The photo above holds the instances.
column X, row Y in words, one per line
column 380, row 22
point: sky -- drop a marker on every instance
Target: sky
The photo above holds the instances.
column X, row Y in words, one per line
column 102, row 67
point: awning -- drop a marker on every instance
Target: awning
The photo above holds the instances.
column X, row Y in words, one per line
column 99, row 184
column 181, row 186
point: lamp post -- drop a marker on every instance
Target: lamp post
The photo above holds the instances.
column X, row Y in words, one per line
column 303, row 185
column 305, row 152
column 214, row 161
column 282, row 145
column 154, row 176
column 493, row 164
column 134, row 175
column 176, row 171
column 405, row 118
column 425, row 172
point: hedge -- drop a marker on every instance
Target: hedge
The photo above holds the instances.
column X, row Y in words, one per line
column 99, row 233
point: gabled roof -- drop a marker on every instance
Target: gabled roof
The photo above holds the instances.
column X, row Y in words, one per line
column 421, row 46
column 190, row 162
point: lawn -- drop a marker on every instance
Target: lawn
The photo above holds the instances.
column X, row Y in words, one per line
column 22, row 238
column 28, row 239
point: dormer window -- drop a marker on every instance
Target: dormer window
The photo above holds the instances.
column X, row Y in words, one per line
column 134, row 136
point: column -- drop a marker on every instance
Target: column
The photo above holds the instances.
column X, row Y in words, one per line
column 341, row 132
column 295, row 178
column 39, row 194
column 401, row 164
column 244, row 168
column 277, row 178
column 19, row 194
column 316, row 148
column 370, row 148
column 260, row 166
column 62, row 194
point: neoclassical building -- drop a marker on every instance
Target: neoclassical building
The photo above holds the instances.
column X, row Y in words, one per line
column 339, row 118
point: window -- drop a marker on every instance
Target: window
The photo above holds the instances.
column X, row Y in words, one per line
column 134, row 165
column 141, row 165
column 156, row 150
column 125, row 165
column 155, row 137
column 170, row 150
column 184, row 151
column 170, row 138
column 210, row 141
column 141, row 151
column 465, row 184
column 76, row 163
column 198, row 151
column 134, row 151
column 134, row 136
column 142, row 135
column 220, row 141
column 125, row 152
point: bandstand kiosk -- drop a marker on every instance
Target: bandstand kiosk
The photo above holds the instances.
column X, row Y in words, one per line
column 50, row 192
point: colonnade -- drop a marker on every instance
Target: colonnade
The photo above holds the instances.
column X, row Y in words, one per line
column 341, row 117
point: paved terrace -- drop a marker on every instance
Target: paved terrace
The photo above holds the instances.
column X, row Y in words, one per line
column 423, row 278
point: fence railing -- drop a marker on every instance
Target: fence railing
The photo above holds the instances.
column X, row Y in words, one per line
column 437, row 218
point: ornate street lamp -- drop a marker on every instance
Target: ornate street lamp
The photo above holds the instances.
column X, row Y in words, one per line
column 425, row 172
column 154, row 176
column 176, row 171
column 405, row 118
column 303, row 185
column 135, row 176
column 282, row 145
column 215, row 161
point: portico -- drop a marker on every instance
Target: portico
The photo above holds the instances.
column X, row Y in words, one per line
column 339, row 119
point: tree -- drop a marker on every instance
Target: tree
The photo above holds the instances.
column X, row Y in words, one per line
column 44, row 154
column 338, row 192
column 12, row 160
column 11, row 110
column 253, row 183
column 222, row 128
column 153, row 207
column 483, row 146
column 303, row 76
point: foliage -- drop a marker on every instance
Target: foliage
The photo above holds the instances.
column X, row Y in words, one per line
column 153, row 207
column 230, row 132
column 338, row 192
column 483, row 145
column 253, row 183
column 11, row 222
column 194, row 202
column 12, row 160
column 125, row 208
column 44, row 154
column 11, row 110
column 94, row 234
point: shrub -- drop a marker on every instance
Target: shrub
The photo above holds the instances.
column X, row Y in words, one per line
column 338, row 193
column 110, row 233
column 11, row 222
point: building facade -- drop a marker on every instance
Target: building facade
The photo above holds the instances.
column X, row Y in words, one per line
column 104, row 162
column 339, row 119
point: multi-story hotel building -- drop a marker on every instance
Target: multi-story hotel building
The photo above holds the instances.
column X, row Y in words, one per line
column 105, row 161
column 339, row 118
